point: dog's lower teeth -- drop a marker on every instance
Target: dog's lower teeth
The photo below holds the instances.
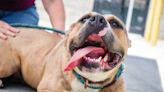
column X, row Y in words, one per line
column 92, row 59
column 106, row 58
column 99, row 59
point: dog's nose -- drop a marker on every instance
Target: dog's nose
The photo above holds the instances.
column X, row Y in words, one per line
column 97, row 21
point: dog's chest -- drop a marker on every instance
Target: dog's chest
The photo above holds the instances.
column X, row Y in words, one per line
column 77, row 86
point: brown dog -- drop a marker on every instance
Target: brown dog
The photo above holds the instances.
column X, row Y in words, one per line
column 88, row 59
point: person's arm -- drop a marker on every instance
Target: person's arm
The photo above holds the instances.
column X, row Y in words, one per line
column 7, row 30
column 56, row 12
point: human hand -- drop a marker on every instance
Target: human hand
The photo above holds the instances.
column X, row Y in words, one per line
column 7, row 30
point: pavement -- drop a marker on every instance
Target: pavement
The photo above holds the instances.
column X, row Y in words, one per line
column 144, row 71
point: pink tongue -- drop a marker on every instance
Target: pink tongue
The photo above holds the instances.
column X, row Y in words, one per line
column 103, row 32
column 75, row 60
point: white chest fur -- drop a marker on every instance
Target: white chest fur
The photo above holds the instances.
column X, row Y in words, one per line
column 77, row 86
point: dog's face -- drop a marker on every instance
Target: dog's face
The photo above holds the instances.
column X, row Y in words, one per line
column 97, row 44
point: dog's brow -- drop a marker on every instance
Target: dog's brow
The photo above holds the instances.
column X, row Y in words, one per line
column 114, row 22
column 84, row 18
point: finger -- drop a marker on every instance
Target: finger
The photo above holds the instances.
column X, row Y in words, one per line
column 2, row 36
column 7, row 32
column 12, row 29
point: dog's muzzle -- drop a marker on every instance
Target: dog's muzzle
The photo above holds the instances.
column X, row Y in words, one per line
column 95, row 51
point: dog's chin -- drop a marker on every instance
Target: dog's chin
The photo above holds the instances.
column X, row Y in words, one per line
column 99, row 75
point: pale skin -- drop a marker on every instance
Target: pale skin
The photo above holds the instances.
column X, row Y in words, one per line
column 6, row 30
column 56, row 13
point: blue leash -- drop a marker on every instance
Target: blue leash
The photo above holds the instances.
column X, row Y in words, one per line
column 38, row 27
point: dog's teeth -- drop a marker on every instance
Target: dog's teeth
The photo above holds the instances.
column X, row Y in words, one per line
column 93, row 60
column 96, row 60
column 89, row 59
column 85, row 58
column 99, row 59
column 106, row 58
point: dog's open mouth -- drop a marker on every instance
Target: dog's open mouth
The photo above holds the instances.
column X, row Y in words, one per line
column 93, row 55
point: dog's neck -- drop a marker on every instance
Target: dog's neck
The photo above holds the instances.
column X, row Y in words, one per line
column 102, row 84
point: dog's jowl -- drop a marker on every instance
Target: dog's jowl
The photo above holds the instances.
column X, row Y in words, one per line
column 88, row 59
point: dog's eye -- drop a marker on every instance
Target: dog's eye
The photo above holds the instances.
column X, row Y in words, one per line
column 115, row 24
column 84, row 19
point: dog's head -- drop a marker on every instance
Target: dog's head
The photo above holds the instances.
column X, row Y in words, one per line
column 98, row 44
